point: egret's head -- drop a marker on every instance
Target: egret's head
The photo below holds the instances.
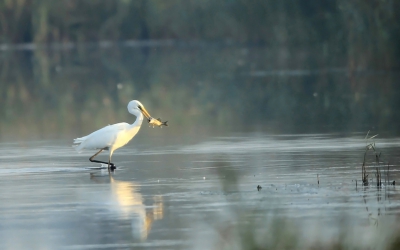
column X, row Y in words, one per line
column 135, row 108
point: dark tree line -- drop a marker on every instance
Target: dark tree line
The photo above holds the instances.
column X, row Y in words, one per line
column 366, row 31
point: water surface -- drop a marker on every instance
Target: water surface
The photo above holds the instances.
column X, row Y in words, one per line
column 192, row 195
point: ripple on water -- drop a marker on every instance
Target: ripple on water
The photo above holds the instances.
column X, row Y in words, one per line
column 160, row 197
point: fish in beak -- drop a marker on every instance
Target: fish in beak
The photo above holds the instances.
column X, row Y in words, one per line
column 157, row 122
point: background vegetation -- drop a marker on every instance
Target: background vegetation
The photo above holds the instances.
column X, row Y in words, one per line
column 303, row 66
column 366, row 32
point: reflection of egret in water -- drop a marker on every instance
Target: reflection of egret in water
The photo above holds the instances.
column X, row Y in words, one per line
column 128, row 201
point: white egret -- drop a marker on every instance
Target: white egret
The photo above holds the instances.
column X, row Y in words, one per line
column 114, row 136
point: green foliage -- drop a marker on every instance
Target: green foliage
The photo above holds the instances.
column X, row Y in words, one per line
column 367, row 32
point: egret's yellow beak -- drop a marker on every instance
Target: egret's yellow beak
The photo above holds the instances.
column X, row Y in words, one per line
column 144, row 112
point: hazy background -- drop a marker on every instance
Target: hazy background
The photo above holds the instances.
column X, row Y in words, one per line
column 272, row 93
column 68, row 67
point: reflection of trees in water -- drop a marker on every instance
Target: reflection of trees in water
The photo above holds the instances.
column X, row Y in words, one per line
column 129, row 202
column 48, row 92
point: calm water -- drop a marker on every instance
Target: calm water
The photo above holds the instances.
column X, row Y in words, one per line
column 194, row 195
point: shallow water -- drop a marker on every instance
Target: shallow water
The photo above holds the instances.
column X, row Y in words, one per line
column 188, row 196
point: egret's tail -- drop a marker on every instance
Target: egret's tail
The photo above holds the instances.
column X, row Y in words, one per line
column 78, row 143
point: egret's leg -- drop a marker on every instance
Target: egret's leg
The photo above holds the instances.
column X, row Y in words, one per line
column 111, row 168
column 91, row 158
column 108, row 163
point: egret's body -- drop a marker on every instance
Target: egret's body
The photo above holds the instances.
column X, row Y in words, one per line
column 114, row 136
column 111, row 137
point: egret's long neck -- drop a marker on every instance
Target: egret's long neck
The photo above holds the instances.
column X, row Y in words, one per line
column 138, row 121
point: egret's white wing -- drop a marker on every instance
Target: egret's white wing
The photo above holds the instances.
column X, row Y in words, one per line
column 102, row 138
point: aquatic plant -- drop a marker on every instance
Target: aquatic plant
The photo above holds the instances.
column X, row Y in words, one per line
column 371, row 146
